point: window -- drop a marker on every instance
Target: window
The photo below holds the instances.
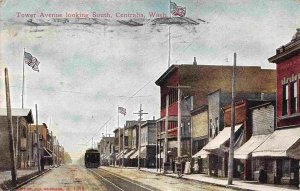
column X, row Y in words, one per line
column 285, row 99
column 217, row 126
column 285, row 168
column 210, row 128
column 294, row 93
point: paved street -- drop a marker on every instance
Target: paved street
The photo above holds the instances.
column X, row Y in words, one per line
column 74, row 177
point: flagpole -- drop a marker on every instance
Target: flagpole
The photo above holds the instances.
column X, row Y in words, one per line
column 119, row 129
column 169, row 59
column 23, row 82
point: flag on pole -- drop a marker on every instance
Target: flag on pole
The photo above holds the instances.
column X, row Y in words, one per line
column 122, row 110
column 31, row 61
column 177, row 10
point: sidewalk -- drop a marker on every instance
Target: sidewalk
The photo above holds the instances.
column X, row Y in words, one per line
column 237, row 184
column 21, row 174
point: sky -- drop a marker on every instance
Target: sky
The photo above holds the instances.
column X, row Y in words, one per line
column 88, row 70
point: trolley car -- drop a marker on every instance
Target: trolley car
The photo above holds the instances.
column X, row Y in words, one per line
column 92, row 158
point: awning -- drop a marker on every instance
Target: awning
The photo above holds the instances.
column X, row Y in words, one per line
column 245, row 151
column 281, row 143
column 47, row 153
column 201, row 154
column 120, row 155
column 135, row 155
column 220, row 139
column 127, row 155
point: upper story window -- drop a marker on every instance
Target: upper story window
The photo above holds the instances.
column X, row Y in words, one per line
column 217, row 126
column 210, row 128
column 294, row 96
column 173, row 96
column 285, row 99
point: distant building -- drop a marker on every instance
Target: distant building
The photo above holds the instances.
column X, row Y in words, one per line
column 104, row 148
column 148, row 143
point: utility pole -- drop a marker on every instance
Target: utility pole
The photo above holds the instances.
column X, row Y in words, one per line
column 109, row 149
column 17, row 143
column 119, row 134
column 140, row 114
column 179, row 118
column 38, row 139
column 156, row 154
column 166, row 134
column 123, row 146
column 231, row 147
column 92, row 142
column 10, row 131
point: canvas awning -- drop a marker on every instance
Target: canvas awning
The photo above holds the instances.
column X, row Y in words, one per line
column 281, row 143
column 220, row 139
column 120, row 155
column 135, row 155
column 47, row 153
column 201, row 154
column 127, row 155
column 245, row 151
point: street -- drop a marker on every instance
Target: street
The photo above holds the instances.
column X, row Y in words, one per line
column 75, row 177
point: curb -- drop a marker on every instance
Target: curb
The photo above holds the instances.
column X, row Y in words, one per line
column 30, row 179
column 214, row 184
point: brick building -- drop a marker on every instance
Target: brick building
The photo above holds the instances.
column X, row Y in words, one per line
column 203, row 79
column 282, row 148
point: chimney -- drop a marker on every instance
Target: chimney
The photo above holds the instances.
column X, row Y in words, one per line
column 153, row 118
column 195, row 62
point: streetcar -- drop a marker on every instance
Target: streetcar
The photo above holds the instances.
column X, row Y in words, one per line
column 92, row 158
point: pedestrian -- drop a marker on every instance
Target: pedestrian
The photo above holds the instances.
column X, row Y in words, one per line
column 173, row 165
column 42, row 163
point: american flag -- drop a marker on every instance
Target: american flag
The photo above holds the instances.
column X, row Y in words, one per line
column 177, row 10
column 31, row 61
column 122, row 110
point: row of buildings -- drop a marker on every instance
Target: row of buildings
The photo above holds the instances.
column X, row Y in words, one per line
column 197, row 99
column 26, row 139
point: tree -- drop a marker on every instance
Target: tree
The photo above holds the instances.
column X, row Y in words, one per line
column 67, row 158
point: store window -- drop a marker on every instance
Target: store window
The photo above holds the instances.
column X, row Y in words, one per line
column 286, row 168
column 285, row 99
column 294, row 92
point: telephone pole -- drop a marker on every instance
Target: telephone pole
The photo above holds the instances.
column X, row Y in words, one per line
column 166, row 134
column 179, row 118
column 231, row 147
column 140, row 114
column 38, row 140
column 10, row 131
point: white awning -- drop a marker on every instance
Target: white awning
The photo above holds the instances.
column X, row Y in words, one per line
column 245, row 151
column 135, row 155
column 281, row 143
column 201, row 154
column 220, row 139
column 129, row 153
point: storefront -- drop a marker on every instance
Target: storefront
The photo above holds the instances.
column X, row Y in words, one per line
column 279, row 156
column 216, row 151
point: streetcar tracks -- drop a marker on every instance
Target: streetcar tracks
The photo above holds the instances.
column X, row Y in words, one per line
column 99, row 176
column 120, row 177
column 127, row 180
